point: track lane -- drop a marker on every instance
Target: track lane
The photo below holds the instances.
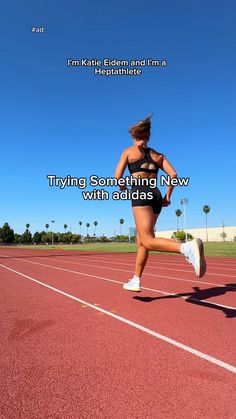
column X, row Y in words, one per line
column 160, row 258
column 152, row 269
column 159, row 314
column 68, row 362
column 161, row 263
column 216, row 293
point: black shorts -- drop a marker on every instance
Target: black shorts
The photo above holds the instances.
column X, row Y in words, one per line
column 144, row 196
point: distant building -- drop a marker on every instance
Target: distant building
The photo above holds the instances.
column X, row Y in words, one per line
column 214, row 233
column 132, row 231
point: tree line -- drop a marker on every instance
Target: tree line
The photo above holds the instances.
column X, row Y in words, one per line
column 8, row 236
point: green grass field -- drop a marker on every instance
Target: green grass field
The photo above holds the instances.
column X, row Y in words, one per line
column 221, row 249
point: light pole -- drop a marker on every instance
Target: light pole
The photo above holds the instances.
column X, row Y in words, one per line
column 52, row 221
column 223, row 234
column 184, row 201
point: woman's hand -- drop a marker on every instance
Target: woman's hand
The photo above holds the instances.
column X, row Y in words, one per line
column 166, row 201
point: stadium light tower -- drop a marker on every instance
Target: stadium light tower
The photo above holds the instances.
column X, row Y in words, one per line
column 52, row 221
column 184, row 201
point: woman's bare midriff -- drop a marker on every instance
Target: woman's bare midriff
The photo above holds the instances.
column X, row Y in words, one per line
column 144, row 175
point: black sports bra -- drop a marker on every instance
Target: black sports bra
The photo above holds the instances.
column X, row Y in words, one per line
column 136, row 165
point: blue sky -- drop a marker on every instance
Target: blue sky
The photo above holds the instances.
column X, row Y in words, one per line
column 67, row 121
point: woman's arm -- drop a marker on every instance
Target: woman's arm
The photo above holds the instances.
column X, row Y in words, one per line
column 169, row 169
column 120, row 168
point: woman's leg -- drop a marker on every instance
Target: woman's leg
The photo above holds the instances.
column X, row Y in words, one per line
column 192, row 250
column 142, row 253
column 144, row 219
column 141, row 259
column 144, row 224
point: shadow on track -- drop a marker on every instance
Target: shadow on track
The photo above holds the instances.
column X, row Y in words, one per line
column 198, row 296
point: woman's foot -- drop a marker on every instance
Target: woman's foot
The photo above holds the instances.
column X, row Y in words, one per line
column 133, row 285
column 194, row 253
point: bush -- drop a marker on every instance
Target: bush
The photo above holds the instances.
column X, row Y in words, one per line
column 181, row 236
column 122, row 238
column 104, row 239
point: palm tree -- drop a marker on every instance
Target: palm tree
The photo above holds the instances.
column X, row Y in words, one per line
column 206, row 209
column 121, row 222
column 95, row 225
column 87, row 225
column 178, row 213
column 65, row 227
column 80, row 224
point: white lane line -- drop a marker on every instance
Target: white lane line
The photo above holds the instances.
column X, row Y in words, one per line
column 119, row 282
column 138, row 326
column 156, row 258
column 158, row 261
column 152, row 266
column 176, row 260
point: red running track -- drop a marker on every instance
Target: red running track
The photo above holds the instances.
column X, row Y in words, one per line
column 74, row 344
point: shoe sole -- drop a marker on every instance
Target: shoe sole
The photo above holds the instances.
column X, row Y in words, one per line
column 132, row 289
column 202, row 262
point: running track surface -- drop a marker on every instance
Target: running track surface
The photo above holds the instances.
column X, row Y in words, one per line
column 74, row 344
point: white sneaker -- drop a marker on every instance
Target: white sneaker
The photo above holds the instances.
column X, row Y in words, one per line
column 133, row 285
column 194, row 254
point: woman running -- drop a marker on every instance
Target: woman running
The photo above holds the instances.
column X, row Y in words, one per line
column 143, row 163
